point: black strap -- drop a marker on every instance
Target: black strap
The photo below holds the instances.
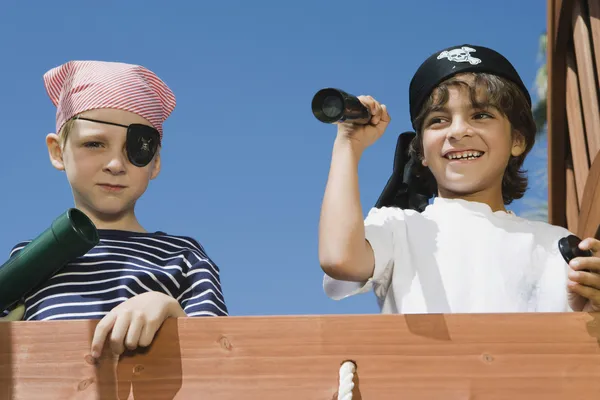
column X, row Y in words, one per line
column 403, row 190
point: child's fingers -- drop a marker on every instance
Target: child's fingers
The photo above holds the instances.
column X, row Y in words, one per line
column 590, row 244
column 15, row 315
column 375, row 112
column 588, row 263
column 585, row 278
column 119, row 331
column 134, row 332
column 101, row 332
column 385, row 116
column 373, row 106
column 368, row 102
column 589, row 293
column 150, row 329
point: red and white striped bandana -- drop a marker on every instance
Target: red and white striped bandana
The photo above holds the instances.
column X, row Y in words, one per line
column 79, row 86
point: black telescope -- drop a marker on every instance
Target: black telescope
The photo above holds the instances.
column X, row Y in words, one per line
column 334, row 105
column 71, row 235
column 569, row 248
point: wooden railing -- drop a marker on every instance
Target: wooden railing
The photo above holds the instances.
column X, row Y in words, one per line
column 574, row 115
column 477, row 356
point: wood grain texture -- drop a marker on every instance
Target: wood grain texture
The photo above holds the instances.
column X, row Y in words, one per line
column 559, row 33
column 477, row 356
column 594, row 11
column 577, row 137
column 572, row 201
column 586, row 72
column 589, row 216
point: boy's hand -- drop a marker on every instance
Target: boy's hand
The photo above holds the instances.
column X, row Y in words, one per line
column 134, row 322
column 364, row 136
column 584, row 279
column 15, row 315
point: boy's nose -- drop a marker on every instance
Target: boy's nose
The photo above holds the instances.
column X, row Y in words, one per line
column 459, row 129
column 116, row 165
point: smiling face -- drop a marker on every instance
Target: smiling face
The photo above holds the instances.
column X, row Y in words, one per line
column 467, row 142
column 104, row 182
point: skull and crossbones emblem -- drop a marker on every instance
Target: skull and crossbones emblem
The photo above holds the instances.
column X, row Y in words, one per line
column 460, row 55
column 146, row 144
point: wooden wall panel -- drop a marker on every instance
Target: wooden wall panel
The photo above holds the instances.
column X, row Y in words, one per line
column 477, row 356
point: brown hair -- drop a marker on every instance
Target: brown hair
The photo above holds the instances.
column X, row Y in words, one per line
column 64, row 132
column 501, row 94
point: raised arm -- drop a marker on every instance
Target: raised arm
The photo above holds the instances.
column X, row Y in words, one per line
column 343, row 251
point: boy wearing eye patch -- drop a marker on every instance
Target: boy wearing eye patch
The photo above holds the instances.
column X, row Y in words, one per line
column 109, row 129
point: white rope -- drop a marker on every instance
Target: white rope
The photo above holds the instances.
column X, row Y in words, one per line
column 346, row 380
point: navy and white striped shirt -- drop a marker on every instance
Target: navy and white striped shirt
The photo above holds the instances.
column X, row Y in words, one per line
column 123, row 265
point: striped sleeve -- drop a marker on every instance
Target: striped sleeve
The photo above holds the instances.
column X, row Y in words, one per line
column 203, row 295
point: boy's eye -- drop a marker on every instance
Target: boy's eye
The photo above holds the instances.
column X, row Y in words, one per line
column 435, row 120
column 92, row 144
column 483, row 115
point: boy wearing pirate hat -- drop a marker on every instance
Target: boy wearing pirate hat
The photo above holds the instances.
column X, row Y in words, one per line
column 464, row 253
column 109, row 129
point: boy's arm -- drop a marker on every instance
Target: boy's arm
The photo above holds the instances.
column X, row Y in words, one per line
column 204, row 296
column 344, row 253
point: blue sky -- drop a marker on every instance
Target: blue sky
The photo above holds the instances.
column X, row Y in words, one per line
column 244, row 161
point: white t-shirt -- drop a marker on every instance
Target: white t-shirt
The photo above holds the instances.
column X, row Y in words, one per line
column 460, row 257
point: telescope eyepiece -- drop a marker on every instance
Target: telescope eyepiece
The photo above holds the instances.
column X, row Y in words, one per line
column 334, row 105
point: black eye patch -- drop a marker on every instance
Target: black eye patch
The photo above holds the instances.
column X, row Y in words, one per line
column 141, row 144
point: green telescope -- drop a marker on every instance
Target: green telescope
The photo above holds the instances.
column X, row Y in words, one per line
column 71, row 235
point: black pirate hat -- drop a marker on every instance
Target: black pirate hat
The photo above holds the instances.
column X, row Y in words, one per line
column 454, row 60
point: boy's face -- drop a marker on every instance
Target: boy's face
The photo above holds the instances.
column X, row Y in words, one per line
column 467, row 149
column 101, row 176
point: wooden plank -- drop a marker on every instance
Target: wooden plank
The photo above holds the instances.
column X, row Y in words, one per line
column 554, row 8
column 558, row 16
column 6, row 362
column 589, row 217
column 587, row 78
column 572, row 201
column 579, row 153
column 594, row 10
column 477, row 356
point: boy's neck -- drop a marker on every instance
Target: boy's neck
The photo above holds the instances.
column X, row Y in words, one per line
column 123, row 222
column 491, row 198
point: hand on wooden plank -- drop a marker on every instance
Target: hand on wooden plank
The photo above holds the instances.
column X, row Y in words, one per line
column 134, row 322
column 15, row 315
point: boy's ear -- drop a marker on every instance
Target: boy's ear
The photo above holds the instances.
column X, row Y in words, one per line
column 55, row 151
column 155, row 166
column 518, row 145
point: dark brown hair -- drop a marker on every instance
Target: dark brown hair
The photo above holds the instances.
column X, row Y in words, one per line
column 501, row 94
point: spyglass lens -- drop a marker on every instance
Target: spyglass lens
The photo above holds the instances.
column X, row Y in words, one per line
column 332, row 106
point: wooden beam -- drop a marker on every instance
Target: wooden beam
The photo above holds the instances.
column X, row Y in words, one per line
column 594, row 9
column 559, row 21
column 579, row 153
column 555, row 8
column 589, row 217
column 572, row 201
column 478, row 356
column 587, row 78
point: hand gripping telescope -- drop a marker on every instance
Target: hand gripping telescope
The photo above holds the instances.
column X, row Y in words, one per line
column 71, row 235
